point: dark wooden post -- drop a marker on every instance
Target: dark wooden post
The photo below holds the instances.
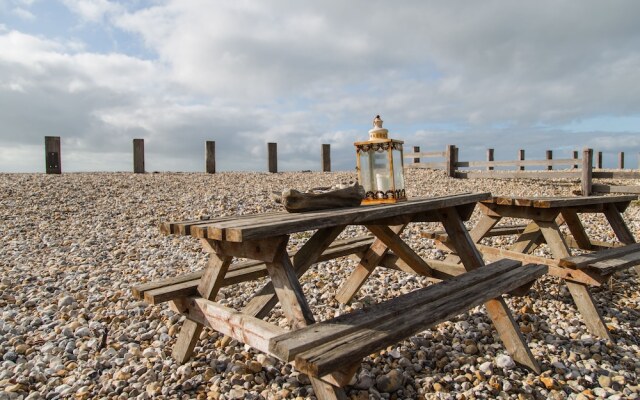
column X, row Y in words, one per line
column 599, row 160
column 53, row 161
column 575, row 157
column 621, row 160
column 450, row 154
column 521, row 158
column 549, row 157
column 326, row 158
column 416, row 149
column 587, row 160
column 272, row 149
column 138, row 156
column 210, row 157
column 489, row 158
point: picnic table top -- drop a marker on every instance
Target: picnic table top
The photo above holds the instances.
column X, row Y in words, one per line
column 554, row 202
column 239, row 228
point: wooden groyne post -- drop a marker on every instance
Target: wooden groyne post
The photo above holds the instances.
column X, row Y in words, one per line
column 587, row 173
column 53, row 161
column 138, row 156
column 272, row 149
column 210, row 157
column 326, row 158
column 489, row 159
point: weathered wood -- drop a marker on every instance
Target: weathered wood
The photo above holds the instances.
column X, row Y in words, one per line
column 528, row 240
column 521, row 158
column 576, row 158
column 621, row 160
column 504, row 230
column 327, row 356
column 416, row 149
column 326, row 157
column 586, row 306
column 292, row 223
column 295, row 201
column 583, row 260
column 426, row 154
column 620, row 228
column 518, row 174
column 138, row 156
column 492, row 253
column 265, row 299
column 587, row 172
column 554, row 239
column 288, row 345
column 432, row 165
column 362, row 271
column 489, row 159
column 531, row 213
column 210, row 157
column 288, row 289
column 554, row 202
column 272, row 150
column 599, row 160
column 401, row 249
column 53, row 157
column 257, row 249
column 608, row 266
column 576, row 228
column 599, row 188
column 549, row 155
column 450, row 160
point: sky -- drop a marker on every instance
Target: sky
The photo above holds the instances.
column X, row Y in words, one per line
column 559, row 75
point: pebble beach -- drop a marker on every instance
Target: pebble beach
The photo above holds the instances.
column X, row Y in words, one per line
column 73, row 246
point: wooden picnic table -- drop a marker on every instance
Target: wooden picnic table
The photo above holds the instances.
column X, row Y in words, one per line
column 546, row 215
column 331, row 351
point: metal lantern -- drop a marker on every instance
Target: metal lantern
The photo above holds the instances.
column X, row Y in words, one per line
column 380, row 166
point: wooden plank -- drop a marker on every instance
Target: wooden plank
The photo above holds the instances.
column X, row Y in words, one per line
column 518, row 174
column 599, row 188
column 618, row 225
column 616, row 175
column 258, row 249
column 515, row 163
column 289, row 344
column 583, row 260
column 554, row 239
column 576, row 228
column 609, row 266
column 589, row 312
column 362, row 271
column 328, row 356
column 432, row 165
column 425, row 154
column 544, row 214
column 492, row 253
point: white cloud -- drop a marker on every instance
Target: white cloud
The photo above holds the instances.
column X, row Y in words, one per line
column 23, row 13
column 93, row 10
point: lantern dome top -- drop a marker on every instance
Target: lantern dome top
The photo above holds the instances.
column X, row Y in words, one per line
column 378, row 132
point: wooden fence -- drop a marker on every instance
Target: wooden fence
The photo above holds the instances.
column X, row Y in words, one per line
column 577, row 168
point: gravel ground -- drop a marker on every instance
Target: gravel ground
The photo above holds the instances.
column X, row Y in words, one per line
column 73, row 246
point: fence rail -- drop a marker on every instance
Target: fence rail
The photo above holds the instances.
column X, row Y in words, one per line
column 579, row 168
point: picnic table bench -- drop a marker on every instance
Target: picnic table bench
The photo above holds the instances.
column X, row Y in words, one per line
column 545, row 216
column 331, row 351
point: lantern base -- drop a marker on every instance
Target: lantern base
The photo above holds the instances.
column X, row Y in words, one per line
column 370, row 202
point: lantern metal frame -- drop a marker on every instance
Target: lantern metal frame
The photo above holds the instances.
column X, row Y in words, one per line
column 396, row 191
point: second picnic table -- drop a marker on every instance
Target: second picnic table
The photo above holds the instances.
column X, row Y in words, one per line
column 330, row 351
column 546, row 215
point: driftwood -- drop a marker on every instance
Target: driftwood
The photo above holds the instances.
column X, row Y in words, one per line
column 295, row 201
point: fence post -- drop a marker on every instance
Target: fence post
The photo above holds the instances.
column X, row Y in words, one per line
column 450, row 154
column 138, row 156
column 599, row 160
column 326, row 158
column 52, row 159
column 272, row 149
column 549, row 157
column 621, row 160
column 575, row 157
column 587, row 160
column 416, row 149
column 521, row 158
column 489, row 158
column 210, row 156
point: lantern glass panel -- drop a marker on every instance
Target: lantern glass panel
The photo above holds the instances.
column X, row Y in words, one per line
column 366, row 171
column 398, row 175
column 381, row 171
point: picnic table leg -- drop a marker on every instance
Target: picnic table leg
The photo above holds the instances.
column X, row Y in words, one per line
column 620, row 228
column 496, row 308
column 486, row 223
column 264, row 301
column 576, row 228
column 528, row 240
column 368, row 262
column 579, row 291
column 210, row 283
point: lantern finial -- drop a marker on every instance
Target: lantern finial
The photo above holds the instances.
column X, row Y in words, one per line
column 378, row 132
